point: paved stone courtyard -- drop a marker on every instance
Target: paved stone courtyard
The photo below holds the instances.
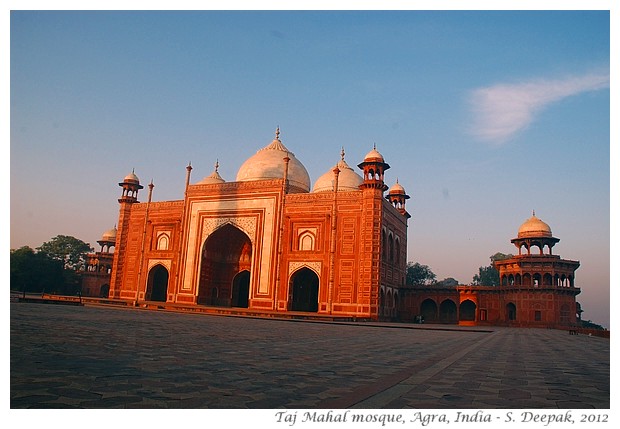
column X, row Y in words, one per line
column 94, row 357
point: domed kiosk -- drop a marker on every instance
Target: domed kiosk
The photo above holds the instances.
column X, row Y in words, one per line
column 536, row 269
column 534, row 233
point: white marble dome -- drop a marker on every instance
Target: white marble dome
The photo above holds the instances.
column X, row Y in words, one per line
column 348, row 179
column 534, row 227
column 268, row 163
column 109, row 235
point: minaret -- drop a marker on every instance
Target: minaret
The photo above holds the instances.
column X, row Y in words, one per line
column 373, row 187
column 131, row 185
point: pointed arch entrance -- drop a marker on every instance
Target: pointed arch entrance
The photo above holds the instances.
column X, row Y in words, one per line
column 241, row 289
column 226, row 253
column 157, row 286
column 304, row 290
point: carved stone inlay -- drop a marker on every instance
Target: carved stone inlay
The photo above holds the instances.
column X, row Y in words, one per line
column 245, row 224
column 165, row 262
column 314, row 266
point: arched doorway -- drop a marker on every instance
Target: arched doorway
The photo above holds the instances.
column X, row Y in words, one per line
column 511, row 312
column 104, row 291
column 304, row 288
column 241, row 289
column 447, row 311
column 226, row 253
column 467, row 311
column 428, row 310
column 157, row 287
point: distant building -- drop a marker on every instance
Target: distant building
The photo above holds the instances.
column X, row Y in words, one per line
column 96, row 277
column 267, row 241
column 537, row 289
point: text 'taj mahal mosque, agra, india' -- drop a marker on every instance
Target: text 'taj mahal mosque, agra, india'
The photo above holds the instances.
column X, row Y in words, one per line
column 270, row 243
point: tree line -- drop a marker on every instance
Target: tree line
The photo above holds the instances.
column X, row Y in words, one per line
column 422, row 275
column 52, row 267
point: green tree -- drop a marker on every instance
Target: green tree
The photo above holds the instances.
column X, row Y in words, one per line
column 418, row 274
column 70, row 250
column 450, row 281
column 35, row 271
column 489, row 276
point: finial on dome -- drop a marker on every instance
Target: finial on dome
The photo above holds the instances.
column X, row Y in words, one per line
column 217, row 164
column 533, row 212
column 374, row 146
column 278, row 133
column 342, row 153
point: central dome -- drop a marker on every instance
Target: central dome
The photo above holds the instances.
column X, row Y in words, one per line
column 534, row 227
column 268, row 163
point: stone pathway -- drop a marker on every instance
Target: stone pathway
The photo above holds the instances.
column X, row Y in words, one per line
column 93, row 357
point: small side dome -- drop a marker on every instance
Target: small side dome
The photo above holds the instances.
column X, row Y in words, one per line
column 348, row 179
column 534, row 227
column 213, row 177
column 109, row 235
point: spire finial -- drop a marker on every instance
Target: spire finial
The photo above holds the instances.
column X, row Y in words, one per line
column 342, row 153
column 133, row 171
column 374, row 146
column 217, row 164
column 278, row 133
column 533, row 212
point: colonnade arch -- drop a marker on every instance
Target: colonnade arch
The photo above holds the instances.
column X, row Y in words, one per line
column 467, row 311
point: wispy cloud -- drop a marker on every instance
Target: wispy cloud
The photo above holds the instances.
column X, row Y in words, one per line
column 501, row 110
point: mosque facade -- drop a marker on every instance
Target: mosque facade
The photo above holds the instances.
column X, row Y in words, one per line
column 268, row 241
column 271, row 242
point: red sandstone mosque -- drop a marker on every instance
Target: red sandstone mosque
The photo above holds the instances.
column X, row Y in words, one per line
column 271, row 242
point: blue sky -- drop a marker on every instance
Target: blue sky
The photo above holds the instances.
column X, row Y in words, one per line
column 483, row 116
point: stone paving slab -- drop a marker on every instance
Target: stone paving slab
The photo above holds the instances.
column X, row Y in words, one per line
column 108, row 358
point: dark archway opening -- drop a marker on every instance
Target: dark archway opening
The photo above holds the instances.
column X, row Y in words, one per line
column 447, row 311
column 241, row 289
column 467, row 311
column 104, row 291
column 157, row 287
column 428, row 310
column 226, row 253
column 511, row 312
column 305, row 291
